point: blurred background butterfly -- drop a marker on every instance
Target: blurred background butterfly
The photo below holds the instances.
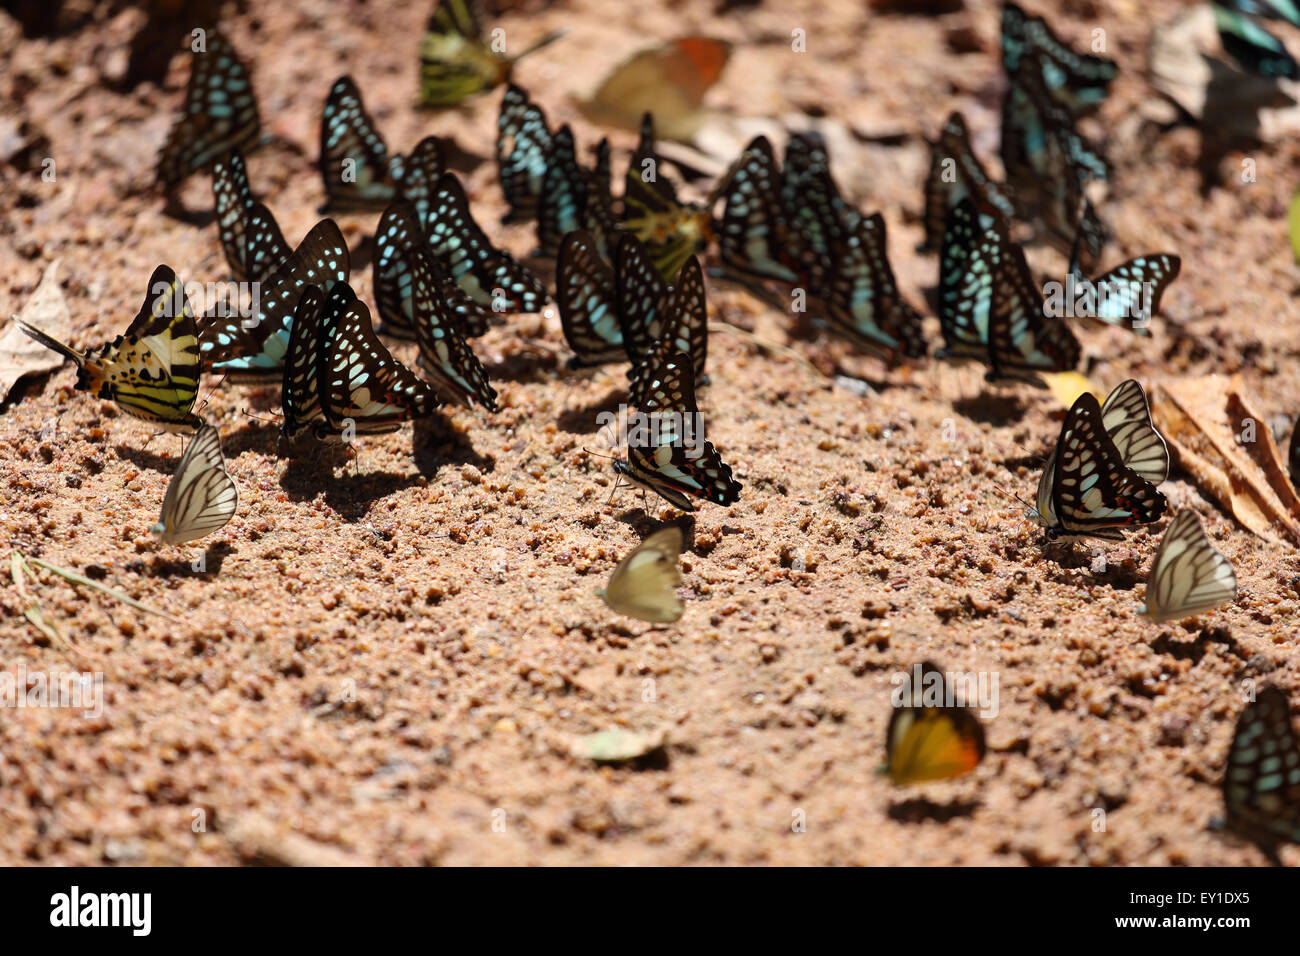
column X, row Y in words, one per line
column 926, row 741
column 457, row 60
column 202, row 497
column 644, row 584
column 1261, row 781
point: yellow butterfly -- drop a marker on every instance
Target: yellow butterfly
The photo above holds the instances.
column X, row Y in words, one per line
column 456, row 63
column 929, row 742
column 644, row 584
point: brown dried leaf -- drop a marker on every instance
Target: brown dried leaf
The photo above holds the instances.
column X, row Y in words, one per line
column 1199, row 417
column 47, row 310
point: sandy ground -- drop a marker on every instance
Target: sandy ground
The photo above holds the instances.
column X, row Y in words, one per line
column 387, row 662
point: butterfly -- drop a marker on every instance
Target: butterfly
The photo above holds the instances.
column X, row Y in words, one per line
column 250, row 236
column 1293, row 456
column 152, row 370
column 563, row 202
column 456, row 63
column 666, row 449
column 656, row 316
column 1048, row 162
column 671, row 229
column 523, row 150
column 955, row 173
column 1188, row 575
column 1078, row 81
column 339, row 379
column 1252, row 46
column 644, row 584
column 220, row 112
column 1127, row 295
column 863, row 300
column 252, row 349
column 1126, row 416
column 1086, row 488
column 816, row 211
column 201, row 497
column 1261, row 781
column 990, row 307
column 756, row 238
column 586, row 291
column 491, row 277
column 397, row 239
column 930, row 736
column 355, row 164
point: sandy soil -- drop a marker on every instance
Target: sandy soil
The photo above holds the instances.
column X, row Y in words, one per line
column 386, row 663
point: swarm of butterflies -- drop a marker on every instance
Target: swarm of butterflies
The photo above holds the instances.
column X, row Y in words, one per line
column 630, row 287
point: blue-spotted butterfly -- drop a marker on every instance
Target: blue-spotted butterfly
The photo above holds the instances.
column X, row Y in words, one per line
column 1127, row 295
column 1261, row 780
column 1252, row 46
column 250, row 236
column 220, row 112
column 397, row 237
column 523, row 149
column 756, row 238
column 152, row 370
column 672, row 230
column 1087, row 488
column 658, row 319
column 666, row 448
column 252, row 348
column 955, row 173
column 1078, row 81
column 586, row 292
column 863, row 300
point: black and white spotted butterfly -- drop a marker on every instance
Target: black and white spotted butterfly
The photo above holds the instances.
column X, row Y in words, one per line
column 814, row 208
column 339, row 379
column 356, row 167
column 1261, row 781
column 1249, row 43
column 586, row 292
column 990, row 307
column 201, row 497
column 491, row 277
column 250, row 237
column 1127, row 295
column 220, row 112
column 252, row 348
column 756, row 237
column 1087, row 489
column 955, row 173
column 523, row 149
column 863, row 300
column 397, row 237
column 666, row 448
column 1189, row 575
column 1078, row 81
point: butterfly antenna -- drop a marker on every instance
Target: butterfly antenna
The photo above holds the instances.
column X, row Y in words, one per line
column 259, row 418
column 204, row 404
column 618, row 483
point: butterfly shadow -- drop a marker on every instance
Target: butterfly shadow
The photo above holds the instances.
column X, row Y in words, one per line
column 991, row 408
column 164, row 463
column 644, row 525
column 213, row 558
column 525, row 365
column 349, row 494
column 261, row 437
column 177, row 210
column 919, row 809
column 436, row 444
column 586, row 419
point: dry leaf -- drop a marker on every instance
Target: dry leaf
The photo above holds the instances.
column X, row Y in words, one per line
column 1200, row 418
column 22, row 355
column 616, row 746
column 1066, row 387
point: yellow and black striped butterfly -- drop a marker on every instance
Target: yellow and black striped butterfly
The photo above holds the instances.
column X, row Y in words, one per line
column 1261, row 781
column 1087, row 488
column 354, row 386
column 955, row 173
column 666, row 448
column 930, row 735
column 220, row 112
column 1078, row 81
column 152, row 370
column 990, row 307
column 398, row 235
column 252, row 348
column 491, row 277
column 455, row 60
column 1127, row 295
column 250, row 236
column 672, row 230
column 1189, row 575
column 356, row 167
column 201, row 497
column 644, row 585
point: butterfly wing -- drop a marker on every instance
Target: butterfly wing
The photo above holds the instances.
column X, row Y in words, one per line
column 1188, row 575
column 756, row 238
column 968, row 266
column 1093, row 491
column 523, row 145
column 563, row 202
column 1078, row 81
column 201, row 497
column 1127, row 418
column 354, row 161
column 220, row 112
column 454, row 61
column 955, row 173
column 644, row 584
column 932, row 742
column 445, row 356
column 1252, row 46
column 1129, row 294
column 421, row 171
column 1261, row 782
column 587, row 295
column 314, row 321
column 396, row 237
column 864, row 301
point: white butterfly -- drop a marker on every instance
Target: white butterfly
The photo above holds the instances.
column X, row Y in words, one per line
column 1188, row 575
column 201, row 497
column 644, row 584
